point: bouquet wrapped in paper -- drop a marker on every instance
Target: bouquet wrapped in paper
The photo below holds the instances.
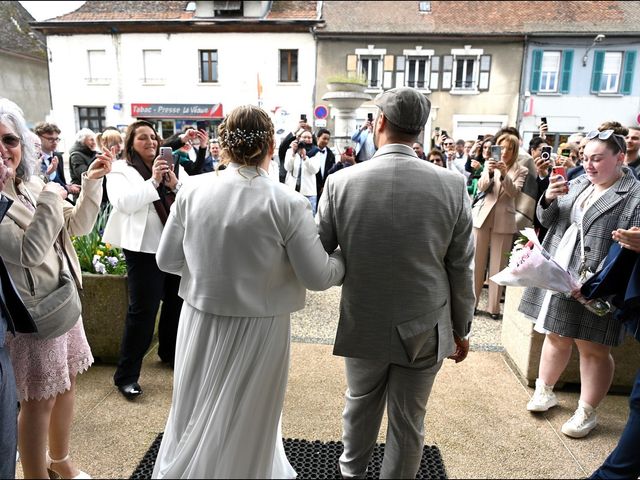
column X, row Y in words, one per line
column 530, row 265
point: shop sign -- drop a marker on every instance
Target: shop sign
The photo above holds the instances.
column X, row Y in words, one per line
column 176, row 110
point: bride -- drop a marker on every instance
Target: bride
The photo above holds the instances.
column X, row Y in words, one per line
column 246, row 248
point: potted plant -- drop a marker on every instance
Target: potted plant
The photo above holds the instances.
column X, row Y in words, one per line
column 347, row 83
column 104, row 294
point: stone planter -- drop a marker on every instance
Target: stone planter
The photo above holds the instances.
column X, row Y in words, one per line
column 346, row 87
column 523, row 345
column 105, row 301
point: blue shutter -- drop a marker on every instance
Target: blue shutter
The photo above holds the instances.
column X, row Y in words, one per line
column 565, row 77
column 627, row 71
column 598, row 62
column 536, row 68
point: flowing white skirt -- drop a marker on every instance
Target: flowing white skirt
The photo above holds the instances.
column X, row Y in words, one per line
column 230, row 378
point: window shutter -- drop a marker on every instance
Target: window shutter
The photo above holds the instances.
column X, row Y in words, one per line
column 598, row 62
column 627, row 72
column 447, row 71
column 485, row 72
column 352, row 65
column 565, row 77
column 435, row 72
column 387, row 74
column 536, row 68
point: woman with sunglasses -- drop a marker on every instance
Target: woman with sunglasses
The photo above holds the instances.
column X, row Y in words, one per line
column 35, row 245
column 581, row 218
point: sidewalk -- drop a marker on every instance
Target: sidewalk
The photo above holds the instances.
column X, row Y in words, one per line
column 476, row 414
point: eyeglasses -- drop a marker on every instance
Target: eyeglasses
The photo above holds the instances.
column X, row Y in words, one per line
column 448, row 144
column 9, row 140
column 52, row 140
column 605, row 135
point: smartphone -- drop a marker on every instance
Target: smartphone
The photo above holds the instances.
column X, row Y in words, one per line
column 444, row 133
column 566, row 152
column 480, row 137
column 546, row 153
column 167, row 154
column 496, row 152
column 202, row 125
column 437, row 129
column 559, row 171
column 544, row 120
column 370, row 117
column 303, row 117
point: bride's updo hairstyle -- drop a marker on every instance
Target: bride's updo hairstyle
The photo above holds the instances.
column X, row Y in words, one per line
column 246, row 136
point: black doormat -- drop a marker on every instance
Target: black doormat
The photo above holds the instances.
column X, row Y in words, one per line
column 317, row 460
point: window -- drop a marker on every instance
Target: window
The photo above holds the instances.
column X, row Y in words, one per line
column 152, row 63
column 464, row 69
column 610, row 79
column 371, row 69
column 208, row 66
column 613, row 72
column 424, row 7
column 288, row 65
column 549, row 72
column 91, row 117
column 417, row 72
column 98, row 69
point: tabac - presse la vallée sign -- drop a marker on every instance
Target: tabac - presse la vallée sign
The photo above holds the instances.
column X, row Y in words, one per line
column 176, row 110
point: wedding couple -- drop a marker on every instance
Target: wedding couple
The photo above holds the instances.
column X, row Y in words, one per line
column 407, row 296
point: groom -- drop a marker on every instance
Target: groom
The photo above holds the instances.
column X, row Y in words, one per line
column 404, row 227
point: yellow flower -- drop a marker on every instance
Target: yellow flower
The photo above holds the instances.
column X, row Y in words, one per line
column 107, row 246
column 100, row 252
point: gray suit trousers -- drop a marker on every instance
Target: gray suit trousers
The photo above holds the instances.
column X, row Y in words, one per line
column 8, row 414
column 405, row 390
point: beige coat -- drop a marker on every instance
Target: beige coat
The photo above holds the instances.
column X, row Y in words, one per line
column 27, row 238
column 500, row 198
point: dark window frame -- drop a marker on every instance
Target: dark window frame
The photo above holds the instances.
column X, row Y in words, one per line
column 291, row 56
column 209, row 64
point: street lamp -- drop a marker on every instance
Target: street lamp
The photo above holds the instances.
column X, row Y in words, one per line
column 596, row 40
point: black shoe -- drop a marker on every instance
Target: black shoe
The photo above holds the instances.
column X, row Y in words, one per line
column 496, row 316
column 131, row 390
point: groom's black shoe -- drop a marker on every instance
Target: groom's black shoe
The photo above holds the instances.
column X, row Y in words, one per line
column 131, row 390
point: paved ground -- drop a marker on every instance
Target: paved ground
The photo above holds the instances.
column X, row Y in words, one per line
column 476, row 414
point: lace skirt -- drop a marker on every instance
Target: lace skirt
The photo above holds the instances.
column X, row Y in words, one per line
column 43, row 368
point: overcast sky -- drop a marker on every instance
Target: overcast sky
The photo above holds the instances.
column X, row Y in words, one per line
column 48, row 9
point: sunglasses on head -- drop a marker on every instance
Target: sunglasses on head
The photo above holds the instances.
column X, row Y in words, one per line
column 10, row 140
column 605, row 135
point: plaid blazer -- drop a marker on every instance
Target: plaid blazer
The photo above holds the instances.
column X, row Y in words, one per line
column 618, row 208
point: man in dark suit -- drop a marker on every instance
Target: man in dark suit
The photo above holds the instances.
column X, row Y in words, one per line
column 52, row 161
column 13, row 317
column 323, row 136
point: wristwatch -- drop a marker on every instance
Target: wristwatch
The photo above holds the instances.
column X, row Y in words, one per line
column 177, row 187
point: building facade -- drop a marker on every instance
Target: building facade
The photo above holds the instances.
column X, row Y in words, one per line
column 179, row 63
column 577, row 83
column 24, row 78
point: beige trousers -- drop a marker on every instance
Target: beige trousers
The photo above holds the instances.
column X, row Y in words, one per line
column 494, row 247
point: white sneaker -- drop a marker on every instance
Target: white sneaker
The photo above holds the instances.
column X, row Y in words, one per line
column 543, row 398
column 583, row 421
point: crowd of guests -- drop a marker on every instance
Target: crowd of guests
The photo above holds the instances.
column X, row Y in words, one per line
column 574, row 210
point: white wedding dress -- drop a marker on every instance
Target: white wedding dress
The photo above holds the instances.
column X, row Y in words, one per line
column 230, row 380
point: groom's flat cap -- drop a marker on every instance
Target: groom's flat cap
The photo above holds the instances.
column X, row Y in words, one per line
column 405, row 108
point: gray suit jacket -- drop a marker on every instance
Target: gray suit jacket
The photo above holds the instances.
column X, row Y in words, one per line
column 404, row 228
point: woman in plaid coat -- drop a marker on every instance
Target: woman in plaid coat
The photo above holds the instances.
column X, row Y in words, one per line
column 581, row 219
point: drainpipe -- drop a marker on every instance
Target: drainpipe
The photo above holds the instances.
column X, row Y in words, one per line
column 521, row 98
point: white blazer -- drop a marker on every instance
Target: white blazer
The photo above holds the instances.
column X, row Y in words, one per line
column 131, row 195
column 245, row 245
